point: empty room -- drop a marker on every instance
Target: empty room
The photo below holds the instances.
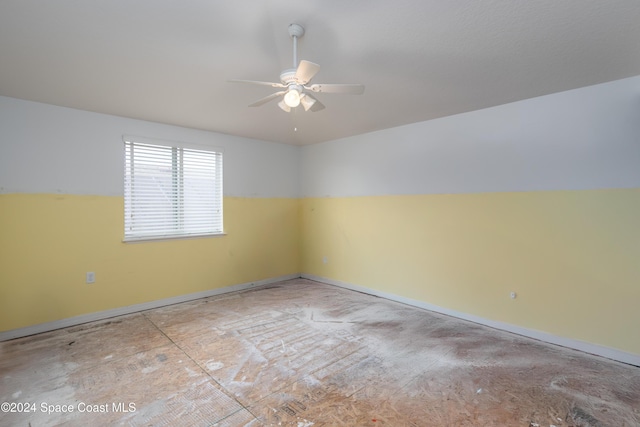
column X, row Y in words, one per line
column 320, row 213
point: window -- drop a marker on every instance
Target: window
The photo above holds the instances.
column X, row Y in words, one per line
column 171, row 191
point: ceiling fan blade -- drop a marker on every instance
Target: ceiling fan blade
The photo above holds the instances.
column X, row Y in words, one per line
column 253, row 82
column 353, row 89
column 310, row 103
column 267, row 99
column 317, row 106
column 305, row 72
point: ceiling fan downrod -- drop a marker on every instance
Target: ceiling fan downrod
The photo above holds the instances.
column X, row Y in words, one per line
column 295, row 31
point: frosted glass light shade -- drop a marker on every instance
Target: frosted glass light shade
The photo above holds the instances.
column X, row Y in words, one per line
column 292, row 98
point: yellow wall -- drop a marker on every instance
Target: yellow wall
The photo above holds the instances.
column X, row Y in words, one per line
column 573, row 257
column 48, row 242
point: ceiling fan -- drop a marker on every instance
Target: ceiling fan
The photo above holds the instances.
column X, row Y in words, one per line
column 295, row 82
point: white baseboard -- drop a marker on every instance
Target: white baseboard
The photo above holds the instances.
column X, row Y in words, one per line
column 598, row 350
column 91, row 317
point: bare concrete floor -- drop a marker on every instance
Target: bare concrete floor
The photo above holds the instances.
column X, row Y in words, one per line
column 301, row 353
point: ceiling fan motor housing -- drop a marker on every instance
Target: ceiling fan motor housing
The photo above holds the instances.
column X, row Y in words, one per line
column 288, row 76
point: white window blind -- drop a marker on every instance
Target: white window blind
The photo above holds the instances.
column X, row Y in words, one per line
column 171, row 191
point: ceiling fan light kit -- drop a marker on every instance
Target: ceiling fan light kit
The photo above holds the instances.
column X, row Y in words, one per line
column 295, row 82
column 292, row 97
column 307, row 102
column 284, row 106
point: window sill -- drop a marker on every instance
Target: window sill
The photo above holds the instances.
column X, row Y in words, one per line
column 169, row 238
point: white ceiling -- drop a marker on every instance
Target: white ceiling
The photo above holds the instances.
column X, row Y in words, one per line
column 169, row 61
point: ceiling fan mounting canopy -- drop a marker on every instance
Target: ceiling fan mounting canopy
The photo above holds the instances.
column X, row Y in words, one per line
column 296, row 30
column 294, row 82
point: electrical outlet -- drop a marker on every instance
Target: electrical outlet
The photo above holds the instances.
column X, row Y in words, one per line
column 91, row 277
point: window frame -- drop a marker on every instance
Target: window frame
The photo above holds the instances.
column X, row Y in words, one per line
column 178, row 171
